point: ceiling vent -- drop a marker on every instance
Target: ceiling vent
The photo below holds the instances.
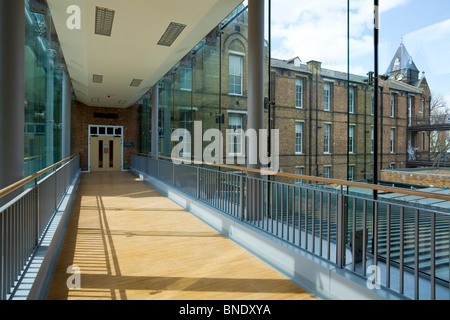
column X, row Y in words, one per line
column 104, row 18
column 171, row 34
column 135, row 83
column 97, row 78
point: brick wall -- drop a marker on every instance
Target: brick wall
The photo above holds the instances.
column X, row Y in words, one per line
column 83, row 116
column 437, row 178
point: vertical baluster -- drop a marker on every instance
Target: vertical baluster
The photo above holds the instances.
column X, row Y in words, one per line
column 433, row 257
column 293, row 214
column 364, row 239
column 388, row 247
column 313, row 215
column 276, row 208
column 354, row 235
column 320, row 222
column 306, row 218
column 282, row 210
column 299, row 216
column 402, row 248
column 416, row 255
column 329, row 227
column 287, row 211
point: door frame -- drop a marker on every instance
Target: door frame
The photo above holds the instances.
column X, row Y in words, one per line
column 96, row 128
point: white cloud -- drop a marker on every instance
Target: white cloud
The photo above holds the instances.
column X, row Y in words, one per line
column 317, row 30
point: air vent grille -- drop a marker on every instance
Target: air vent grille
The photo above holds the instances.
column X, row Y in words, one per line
column 171, row 34
column 104, row 18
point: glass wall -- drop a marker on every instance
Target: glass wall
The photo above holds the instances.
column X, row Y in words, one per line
column 43, row 92
column 320, row 87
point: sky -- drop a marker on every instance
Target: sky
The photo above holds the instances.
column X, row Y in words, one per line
column 317, row 30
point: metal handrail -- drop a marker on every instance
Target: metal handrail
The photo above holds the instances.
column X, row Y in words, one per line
column 388, row 189
column 13, row 187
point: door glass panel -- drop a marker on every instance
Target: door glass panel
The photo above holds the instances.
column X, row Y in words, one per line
column 111, row 153
column 100, row 154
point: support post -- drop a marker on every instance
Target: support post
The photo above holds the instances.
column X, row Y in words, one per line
column 12, row 93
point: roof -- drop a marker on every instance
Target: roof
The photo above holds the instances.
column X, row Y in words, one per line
column 402, row 60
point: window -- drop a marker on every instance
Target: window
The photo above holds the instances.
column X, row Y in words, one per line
column 327, row 96
column 235, row 74
column 326, row 138
column 235, row 138
column 351, row 173
column 327, row 172
column 392, row 166
column 409, row 111
column 371, row 140
column 299, row 171
column 373, row 105
column 351, row 139
column 298, row 138
column 299, row 93
column 185, row 79
column 351, row 100
column 392, row 140
column 392, row 105
column 185, row 121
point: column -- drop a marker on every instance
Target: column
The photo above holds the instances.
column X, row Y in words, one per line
column 12, row 92
column 255, row 119
column 255, row 107
column 66, row 115
column 155, row 120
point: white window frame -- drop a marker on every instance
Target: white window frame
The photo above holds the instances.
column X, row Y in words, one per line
column 392, row 105
column 351, row 138
column 351, row 100
column 327, row 139
column 299, row 171
column 299, row 146
column 185, row 79
column 392, row 141
column 327, row 172
column 327, row 97
column 299, row 89
column 372, row 141
column 351, row 172
column 240, row 56
column 233, row 151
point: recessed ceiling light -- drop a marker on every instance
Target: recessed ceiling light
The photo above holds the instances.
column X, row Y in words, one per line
column 171, row 34
column 95, row 99
column 97, row 78
column 104, row 18
column 135, row 83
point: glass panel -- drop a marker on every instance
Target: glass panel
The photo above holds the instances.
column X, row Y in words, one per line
column 43, row 93
column 111, row 153
column 100, row 153
column 110, row 131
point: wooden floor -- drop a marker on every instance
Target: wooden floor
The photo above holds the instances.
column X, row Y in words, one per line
column 130, row 242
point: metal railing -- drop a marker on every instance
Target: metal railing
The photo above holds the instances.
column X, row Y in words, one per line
column 407, row 243
column 24, row 220
column 439, row 120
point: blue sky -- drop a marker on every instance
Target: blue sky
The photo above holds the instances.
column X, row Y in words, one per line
column 317, row 30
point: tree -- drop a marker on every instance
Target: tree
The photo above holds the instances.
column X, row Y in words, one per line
column 439, row 140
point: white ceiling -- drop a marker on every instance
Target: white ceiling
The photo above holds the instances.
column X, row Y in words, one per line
column 132, row 51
